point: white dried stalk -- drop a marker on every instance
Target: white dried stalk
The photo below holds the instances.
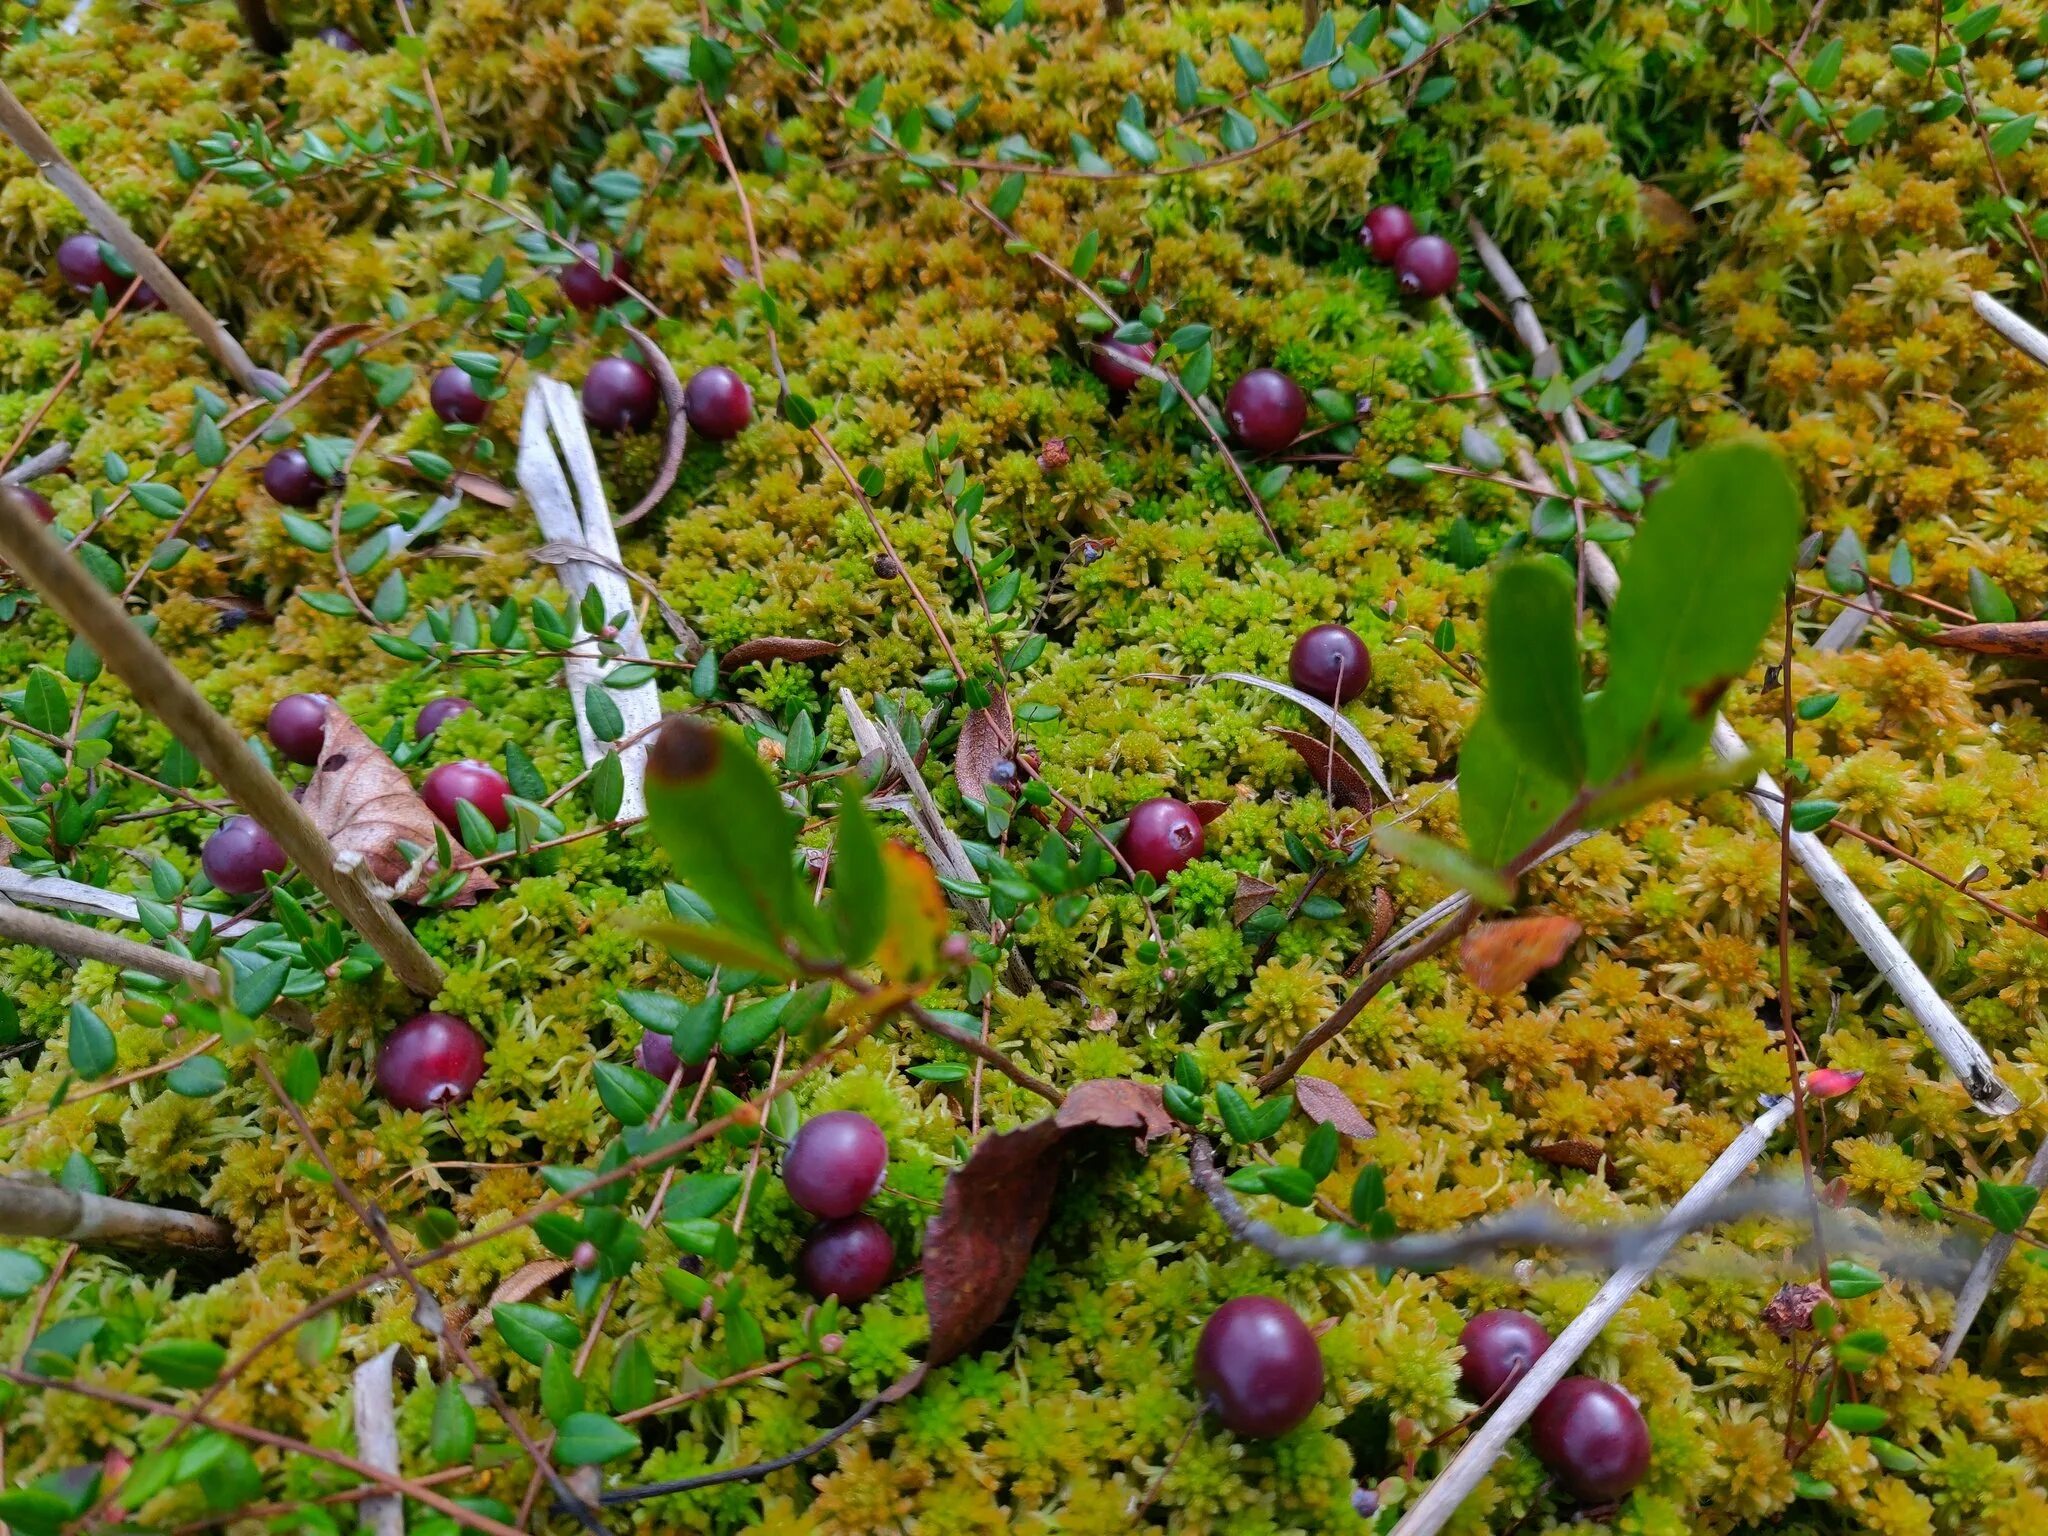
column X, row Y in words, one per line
column 1847, row 626
column 55, row 894
column 1984, row 1273
column 1455, row 1483
column 944, row 846
column 2020, row 333
column 570, row 507
column 377, row 1440
column 36, row 465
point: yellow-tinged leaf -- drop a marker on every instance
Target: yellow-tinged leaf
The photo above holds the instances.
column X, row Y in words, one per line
column 719, row 946
column 909, row 950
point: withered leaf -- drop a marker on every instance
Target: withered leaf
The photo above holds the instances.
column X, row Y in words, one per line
column 1573, row 1152
column 1207, row 811
column 1332, row 771
column 1382, row 918
column 678, row 439
column 2028, row 639
column 987, row 737
column 527, row 1280
column 995, row 1205
column 1327, row 1104
column 1499, row 957
column 363, row 804
column 1252, row 894
column 776, row 648
column 483, row 488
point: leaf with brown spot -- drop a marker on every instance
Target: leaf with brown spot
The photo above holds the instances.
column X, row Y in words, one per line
column 997, row 1202
column 776, row 648
column 987, row 737
column 1573, row 1152
column 363, row 804
column 917, row 922
column 1327, row 1104
column 1332, row 771
column 1252, row 894
column 2028, row 640
column 1499, row 957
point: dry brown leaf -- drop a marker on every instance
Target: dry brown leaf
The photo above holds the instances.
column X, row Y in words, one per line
column 1661, row 208
column 1333, row 772
column 996, row 1204
column 987, row 737
column 483, row 488
column 1327, row 1104
column 1573, row 1152
column 2028, row 639
column 1499, row 957
column 528, row 1280
column 363, row 803
column 776, row 648
column 1207, row 811
column 1252, row 894
column 1382, row 918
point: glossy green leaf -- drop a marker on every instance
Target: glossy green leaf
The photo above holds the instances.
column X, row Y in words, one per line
column 453, row 1435
column 720, row 819
column 1532, row 667
column 586, row 1439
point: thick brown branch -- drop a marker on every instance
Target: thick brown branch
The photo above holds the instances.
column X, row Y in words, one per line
column 34, row 1208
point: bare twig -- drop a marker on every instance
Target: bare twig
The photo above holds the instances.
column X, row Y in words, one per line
column 48, row 461
column 677, row 441
column 1984, row 1273
column 31, row 1207
column 56, row 894
column 760, row 1469
column 377, row 1439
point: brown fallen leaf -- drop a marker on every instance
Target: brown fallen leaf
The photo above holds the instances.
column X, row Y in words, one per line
column 1333, row 771
column 363, row 804
column 1252, row 894
column 483, row 488
column 1382, row 918
column 995, row 1205
column 2028, row 639
column 776, row 648
column 529, row 1279
column 1573, row 1152
column 1326, row 1104
column 1666, row 211
column 1499, row 957
column 987, row 737
column 1207, row 811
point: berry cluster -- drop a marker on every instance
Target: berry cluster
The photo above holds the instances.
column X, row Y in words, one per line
column 834, row 1165
column 1588, row 1432
column 1426, row 266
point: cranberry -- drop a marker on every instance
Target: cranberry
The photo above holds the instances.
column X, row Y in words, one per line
column 1162, row 835
column 718, row 403
column 1427, row 267
column 38, row 503
column 849, row 1258
column 619, row 395
column 1500, row 1346
column 1386, row 229
column 835, row 1163
column 290, row 479
column 298, row 726
column 431, row 1060
column 1111, row 362
column 1330, row 662
column 81, row 265
column 1257, row 1365
column 478, row 783
column 1265, row 410
column 340, row 38
column 1592, row 1435
column 454, row 398
column 1004, row 773
column 584, row 283
column 583, row 1258
column 239, row 855
column 656, row 1054
column 437, row 713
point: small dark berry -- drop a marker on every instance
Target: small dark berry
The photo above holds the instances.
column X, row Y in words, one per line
column 619, row 395
column 1500, row 1346
column 1386, row 229
column 239, row 855
column 437, row 713
column 1163, row 835
column 1592, row 1435
column 81, row 265
column 1004, row 773
column 431, row 1060
column 656, row 1055
column 454, row 398
column 835, row 1163
column 38, row 503
column 1258, row 1366
column 340, row 38
column 298, row 726
column 887, row 567
column 1265, row 410
column 478, row 783
column 290, row 479
column 1111, row 362
column 849, row 1258
column 684, row 749
column 584, row 283
column 1427, row 267
column 718, row 403
column 1331, row 663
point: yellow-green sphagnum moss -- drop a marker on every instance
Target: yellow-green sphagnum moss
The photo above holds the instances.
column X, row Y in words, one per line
column 1732, row 217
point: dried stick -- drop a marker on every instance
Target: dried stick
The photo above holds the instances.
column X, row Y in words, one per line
column 2021, row 333
column 19, row 124
column 1984, row 1273
column 37, row 1208
column 1961, row 1050
column 50, row 460
column 264, row 34
column 580, row 519
column 377, row 1440
column 56, row 894
column 1455, row 1483
column 92, row 612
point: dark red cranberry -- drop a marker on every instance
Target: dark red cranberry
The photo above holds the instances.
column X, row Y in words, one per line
column 1162, row 836
column 290, row 479
column 1265, row 410
column 38, row 504
column 1111, row 362
column 1427, row 267
column 1592, row 1435
column 718, row 403
column 849, row 1258
column 478, row 783
column 454, row 398
column 1330, row 662
column 1386, row 229
column 835, row 1163
column 431, row 1060
column 656, row 1054
column 298, row 726
column 584, row 283
column 81, row 265
column 1500, row 1346
column 619, row 395
column 239, row 855
column 437, row 713
column 1258, row 1366
column 341, row 38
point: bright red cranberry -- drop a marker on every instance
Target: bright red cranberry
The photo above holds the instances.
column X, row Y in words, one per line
column 835, row 1163
column 432, row 1060
column 437, row 713
column 239, row 855
column 298, row 726
column 454, row 398
column 1500, row 1346
column 290, row 479
column 1330, row 662
column 1111, row 361
column 340, row 38
column 1265, row 410
column 1386, row 229
column 849, row 1258
column 1258, row 1366
column 1592, row 1435
column 38, row 503
column 718, row 403
column 478, row 783
column 1162, row 836
column 619, row 395
column 584, row 284
column 1427, row 267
